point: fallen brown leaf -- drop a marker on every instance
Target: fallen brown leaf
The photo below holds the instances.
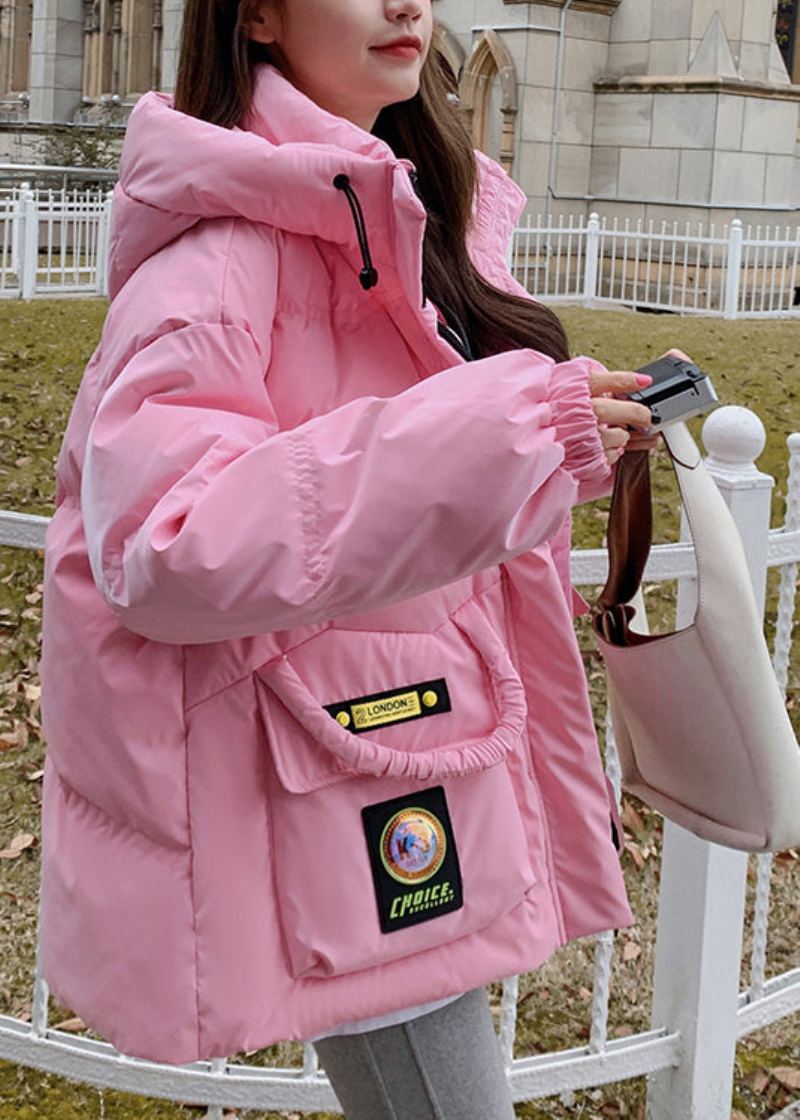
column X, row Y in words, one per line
column 75, row 1024
column 631, row 818
column 760, row 1080
column 788, row 1076
column 18, row 844
column 636, row 853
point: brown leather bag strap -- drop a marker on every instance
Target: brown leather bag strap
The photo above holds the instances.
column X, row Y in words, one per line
column 630, row 530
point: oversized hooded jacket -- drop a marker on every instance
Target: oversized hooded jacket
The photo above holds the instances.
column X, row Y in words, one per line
column 319, row 743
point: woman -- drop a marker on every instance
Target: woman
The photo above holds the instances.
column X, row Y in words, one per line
column 320, row 752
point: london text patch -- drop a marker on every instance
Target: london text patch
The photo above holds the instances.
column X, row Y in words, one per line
column 412, row 701
column 413, row 857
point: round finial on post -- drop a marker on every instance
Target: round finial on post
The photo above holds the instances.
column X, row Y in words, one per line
column 734, row 438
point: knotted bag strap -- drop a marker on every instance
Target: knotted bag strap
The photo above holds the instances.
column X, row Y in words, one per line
column 630, row 530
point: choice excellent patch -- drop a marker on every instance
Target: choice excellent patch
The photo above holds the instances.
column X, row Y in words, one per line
column 412, row 701
column 413, row 857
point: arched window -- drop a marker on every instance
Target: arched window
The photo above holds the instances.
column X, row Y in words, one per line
column 15, row 45
column 99, row 38
column 122, row 47
column 139, row 35
column 489, row 95
column 493, row 133
column 787, row 32
column 448, row 45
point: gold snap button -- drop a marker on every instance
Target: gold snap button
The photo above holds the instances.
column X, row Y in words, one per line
column 430, row 699
column 343, row 718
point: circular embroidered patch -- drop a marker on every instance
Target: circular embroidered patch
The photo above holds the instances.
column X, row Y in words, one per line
column 412, row 845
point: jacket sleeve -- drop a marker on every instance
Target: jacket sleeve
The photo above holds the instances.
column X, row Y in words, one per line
column 205, row 521
column 489, row 257
column 590, row 489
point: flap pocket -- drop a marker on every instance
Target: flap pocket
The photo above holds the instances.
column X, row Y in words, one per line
column 390, row 842
column 485, row 718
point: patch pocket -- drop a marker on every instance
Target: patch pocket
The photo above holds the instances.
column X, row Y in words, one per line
column 382, row 851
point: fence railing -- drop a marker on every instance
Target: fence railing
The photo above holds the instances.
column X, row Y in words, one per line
column 683, row 267
column 55, row 242
column 698, row 1010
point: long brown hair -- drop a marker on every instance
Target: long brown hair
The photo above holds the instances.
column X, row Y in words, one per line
column 215, row 83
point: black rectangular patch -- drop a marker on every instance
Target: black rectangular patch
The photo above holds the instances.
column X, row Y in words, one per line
column 397, row 705
column 413, row 856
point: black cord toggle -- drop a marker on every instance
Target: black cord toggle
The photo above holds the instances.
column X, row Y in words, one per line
column 369, row 274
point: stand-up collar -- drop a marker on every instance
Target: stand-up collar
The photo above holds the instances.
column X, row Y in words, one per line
column 278, row 167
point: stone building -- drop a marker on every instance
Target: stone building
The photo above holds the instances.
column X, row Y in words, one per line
column 640, row 108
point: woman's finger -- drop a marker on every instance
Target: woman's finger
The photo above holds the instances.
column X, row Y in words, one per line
column 614, row 437
column 616, row 381
column 621, row 413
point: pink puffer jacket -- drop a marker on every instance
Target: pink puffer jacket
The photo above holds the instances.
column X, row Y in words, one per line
column 319, row 740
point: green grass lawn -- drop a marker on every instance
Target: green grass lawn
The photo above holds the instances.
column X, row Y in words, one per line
column 44, row 346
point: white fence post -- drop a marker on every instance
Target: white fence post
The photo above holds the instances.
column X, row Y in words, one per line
column 28, row 244
column 17, row 224
column 592, row 260
column 101, row 274
column 733, row 274
column 702, row 890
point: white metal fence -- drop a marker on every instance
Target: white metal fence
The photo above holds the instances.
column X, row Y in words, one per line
column 698, row 1013
column 55, row 242
column 682, row 267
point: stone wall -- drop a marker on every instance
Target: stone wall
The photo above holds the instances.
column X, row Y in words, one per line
column 708, row 126
column 670, row 111
column 665, row 108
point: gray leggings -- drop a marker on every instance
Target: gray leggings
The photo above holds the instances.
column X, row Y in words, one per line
column 446, row 1065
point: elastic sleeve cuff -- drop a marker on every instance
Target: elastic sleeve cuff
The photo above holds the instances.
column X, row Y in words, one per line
column 575, row 421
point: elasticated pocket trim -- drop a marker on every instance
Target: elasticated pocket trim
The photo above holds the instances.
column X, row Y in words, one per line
column 368, row 754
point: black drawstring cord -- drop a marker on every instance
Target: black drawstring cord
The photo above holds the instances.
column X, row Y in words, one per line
column 368, row 275
column 453, row 329
column 455, row 332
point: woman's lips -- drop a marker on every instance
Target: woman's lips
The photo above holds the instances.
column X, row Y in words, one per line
column 405, row 51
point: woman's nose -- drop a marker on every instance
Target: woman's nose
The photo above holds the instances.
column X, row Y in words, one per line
column 397, row 9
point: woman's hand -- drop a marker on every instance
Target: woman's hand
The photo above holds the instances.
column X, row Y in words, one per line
column 622, row 422
column 619, row 419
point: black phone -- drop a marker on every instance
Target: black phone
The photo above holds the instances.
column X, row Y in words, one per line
column 680, row 389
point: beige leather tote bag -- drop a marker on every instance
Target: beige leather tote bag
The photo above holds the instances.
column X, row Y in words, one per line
column 701, row 728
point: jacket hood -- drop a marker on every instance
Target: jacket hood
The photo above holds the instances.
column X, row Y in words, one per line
column 276, row 167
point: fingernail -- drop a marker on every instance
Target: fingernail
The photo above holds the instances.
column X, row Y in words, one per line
column 644, row 379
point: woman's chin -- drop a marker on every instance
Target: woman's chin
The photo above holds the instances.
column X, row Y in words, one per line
column 401, row 91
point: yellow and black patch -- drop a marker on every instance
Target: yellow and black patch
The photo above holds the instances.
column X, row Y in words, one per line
column 398, row 705
column 412, row 852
